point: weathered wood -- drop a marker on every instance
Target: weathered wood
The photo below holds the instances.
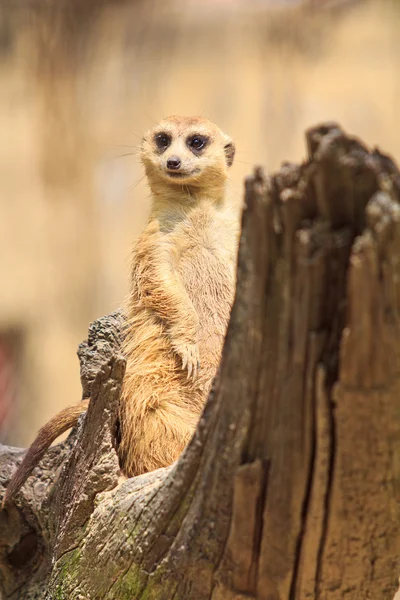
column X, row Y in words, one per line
column 35, row 515
column 289, row 488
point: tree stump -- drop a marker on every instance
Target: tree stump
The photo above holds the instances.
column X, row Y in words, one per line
column 289, row 488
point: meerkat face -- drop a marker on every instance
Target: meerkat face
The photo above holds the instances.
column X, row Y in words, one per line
column 187, row 151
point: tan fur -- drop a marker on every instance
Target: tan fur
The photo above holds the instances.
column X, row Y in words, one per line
column 63, row 421
column 183, row 275
column 182, row 286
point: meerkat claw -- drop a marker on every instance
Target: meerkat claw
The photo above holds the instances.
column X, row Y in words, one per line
column 189, row 354
column 194, row 366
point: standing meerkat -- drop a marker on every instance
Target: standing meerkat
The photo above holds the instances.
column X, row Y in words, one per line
column 182, row 288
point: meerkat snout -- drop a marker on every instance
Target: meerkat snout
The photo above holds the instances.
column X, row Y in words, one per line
column 187, row 151
column 174, row 163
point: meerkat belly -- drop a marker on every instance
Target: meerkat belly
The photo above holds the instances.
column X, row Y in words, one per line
column 208, row 277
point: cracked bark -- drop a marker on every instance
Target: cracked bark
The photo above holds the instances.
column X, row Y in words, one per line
column 289, row 489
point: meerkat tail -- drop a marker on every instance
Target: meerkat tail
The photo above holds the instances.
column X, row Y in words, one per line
column 64, row 420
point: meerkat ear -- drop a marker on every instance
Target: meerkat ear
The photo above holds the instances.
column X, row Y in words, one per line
column 229, row 150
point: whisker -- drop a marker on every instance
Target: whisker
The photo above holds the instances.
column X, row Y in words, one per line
column 149, row 117
column 232, row 189
column 137, row 135
column 133, row 185
column 243, row 162
column 136, row 154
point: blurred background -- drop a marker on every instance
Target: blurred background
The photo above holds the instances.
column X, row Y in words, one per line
column 82, row 80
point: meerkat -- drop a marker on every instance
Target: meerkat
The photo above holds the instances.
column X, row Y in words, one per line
column 182, row 288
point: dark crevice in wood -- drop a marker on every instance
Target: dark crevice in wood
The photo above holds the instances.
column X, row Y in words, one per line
column 328, row 493
column 304, row 513
column 24, row 552
column 259, row 531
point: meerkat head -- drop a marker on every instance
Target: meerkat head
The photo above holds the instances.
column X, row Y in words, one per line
column 189, row 152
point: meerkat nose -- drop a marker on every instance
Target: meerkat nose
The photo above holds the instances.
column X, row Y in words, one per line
column 173, row 163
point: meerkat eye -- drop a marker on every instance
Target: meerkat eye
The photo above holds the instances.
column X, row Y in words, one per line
column 162, row 140
column 197, row 142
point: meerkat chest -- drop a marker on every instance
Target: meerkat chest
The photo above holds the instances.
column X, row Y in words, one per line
column 206, row 262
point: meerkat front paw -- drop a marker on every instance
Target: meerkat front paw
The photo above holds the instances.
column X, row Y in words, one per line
column 189, row 354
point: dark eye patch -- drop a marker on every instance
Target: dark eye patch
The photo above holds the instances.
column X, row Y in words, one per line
column 162, row 140
column 197, row 142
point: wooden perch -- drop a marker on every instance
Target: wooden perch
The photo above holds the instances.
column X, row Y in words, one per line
column 290, row 487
